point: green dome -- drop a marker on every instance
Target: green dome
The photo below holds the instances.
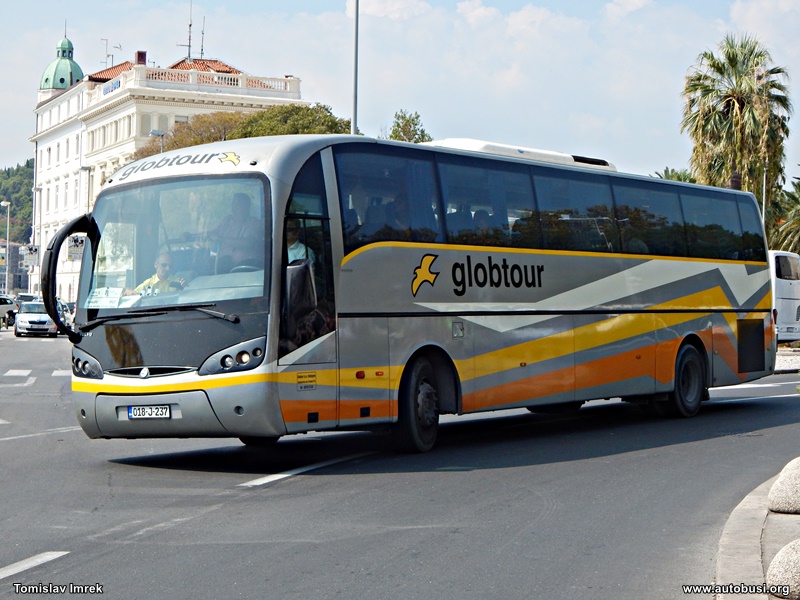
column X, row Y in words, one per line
column 63, row 71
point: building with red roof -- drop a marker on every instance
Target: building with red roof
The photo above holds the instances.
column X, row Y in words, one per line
column 88, row 126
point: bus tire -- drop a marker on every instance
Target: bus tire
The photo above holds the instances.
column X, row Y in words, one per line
column 258, row 441
column 418, row 408
column 690, row 384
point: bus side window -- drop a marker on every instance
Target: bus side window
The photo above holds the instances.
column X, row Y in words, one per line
column 387, row 194
column 713, row 229
column 577, row 212
column 480, row 197
column 752, row 231
column 649, row 218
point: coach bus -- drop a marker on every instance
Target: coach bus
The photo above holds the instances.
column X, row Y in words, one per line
column 270, row 286
column 786, row 293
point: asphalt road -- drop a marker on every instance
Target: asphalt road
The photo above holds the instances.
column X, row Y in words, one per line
column 605, row 503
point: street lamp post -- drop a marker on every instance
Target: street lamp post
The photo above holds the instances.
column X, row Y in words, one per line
column 160, row 135
column 37, row 198
column 88, row 187
column 353, row 123
column 7, row 204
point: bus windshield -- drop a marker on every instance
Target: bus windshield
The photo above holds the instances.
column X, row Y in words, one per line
column 175, row 242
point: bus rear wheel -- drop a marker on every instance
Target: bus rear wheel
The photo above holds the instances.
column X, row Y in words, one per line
column 418, row 409
column 690, row 385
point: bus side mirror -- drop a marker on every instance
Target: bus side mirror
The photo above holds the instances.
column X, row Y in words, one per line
column 49, row 268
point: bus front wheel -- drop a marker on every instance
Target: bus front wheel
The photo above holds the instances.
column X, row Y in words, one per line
column 418, row 409
column 690, row 384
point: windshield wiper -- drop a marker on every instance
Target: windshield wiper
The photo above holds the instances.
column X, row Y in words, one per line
column 129, row 315
column 153, row 312
column 203, row 308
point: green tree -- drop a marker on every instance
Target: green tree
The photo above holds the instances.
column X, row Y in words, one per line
column 291, row 119
column 736, row 111
column 15, row 187
column 684, row 175
column 407, row 127
column 786, row 233
column 199, row 129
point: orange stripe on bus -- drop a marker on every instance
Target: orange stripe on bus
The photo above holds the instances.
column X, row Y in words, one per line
column 296, row 411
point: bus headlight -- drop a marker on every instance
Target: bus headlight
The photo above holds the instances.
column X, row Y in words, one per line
column 241, row 357
column 85, row 365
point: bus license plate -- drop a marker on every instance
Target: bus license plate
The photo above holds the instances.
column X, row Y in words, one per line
column 149, row 412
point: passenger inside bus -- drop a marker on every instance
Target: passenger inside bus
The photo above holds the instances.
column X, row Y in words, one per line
column 160, row 282
column 296, row 249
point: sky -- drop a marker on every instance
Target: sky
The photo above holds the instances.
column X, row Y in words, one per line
column 594, row 78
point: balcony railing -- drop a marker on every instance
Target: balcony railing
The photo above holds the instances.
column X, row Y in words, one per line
column 198, row 81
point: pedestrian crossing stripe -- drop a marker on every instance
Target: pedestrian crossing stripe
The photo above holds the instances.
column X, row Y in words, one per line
column 27, row 372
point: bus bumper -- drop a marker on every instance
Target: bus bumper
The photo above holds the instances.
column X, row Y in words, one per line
column 194, row 413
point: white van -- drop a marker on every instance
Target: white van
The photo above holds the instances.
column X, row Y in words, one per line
column 785, row 268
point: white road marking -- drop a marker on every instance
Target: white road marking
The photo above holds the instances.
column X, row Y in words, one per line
column 41, row 433
column 742, row 386
column 299, row 470
column 29, row 563
column 17, row 373
column 62, row 373
column 30, row 381
column 4, row 422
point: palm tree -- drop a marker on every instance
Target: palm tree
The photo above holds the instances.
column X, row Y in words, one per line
column 736, row 111
column 684, row 175
column 786, row 235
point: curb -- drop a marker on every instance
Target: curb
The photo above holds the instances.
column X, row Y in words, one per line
column 739, row 553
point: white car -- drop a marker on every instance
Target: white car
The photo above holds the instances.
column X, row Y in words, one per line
column 32, row 319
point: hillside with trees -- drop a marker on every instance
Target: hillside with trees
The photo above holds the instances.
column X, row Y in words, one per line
column 15, row 187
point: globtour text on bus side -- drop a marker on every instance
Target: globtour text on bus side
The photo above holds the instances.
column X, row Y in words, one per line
column 494, row 274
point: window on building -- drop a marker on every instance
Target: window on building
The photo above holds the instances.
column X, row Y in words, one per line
column 144, row 124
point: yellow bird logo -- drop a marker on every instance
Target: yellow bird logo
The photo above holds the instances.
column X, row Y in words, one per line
column 423, row 273
column 230, row 157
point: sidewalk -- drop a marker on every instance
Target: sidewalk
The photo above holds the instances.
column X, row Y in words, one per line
column 753, row 534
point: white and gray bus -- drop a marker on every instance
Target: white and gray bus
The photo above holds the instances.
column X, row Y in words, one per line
column 786, row 293
column 262, row 287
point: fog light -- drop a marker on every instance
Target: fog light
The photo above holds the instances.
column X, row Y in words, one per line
column 227, row 361
column 243, row 358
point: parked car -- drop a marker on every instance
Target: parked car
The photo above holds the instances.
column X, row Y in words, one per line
column 32, row 319
column 8, row 305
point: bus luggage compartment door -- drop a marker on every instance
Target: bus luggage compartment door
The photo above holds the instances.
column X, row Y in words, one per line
column 364, row 374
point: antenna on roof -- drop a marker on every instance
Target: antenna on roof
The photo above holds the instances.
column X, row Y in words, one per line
column 105, row 62
column 202, row 37
column 189, row 45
